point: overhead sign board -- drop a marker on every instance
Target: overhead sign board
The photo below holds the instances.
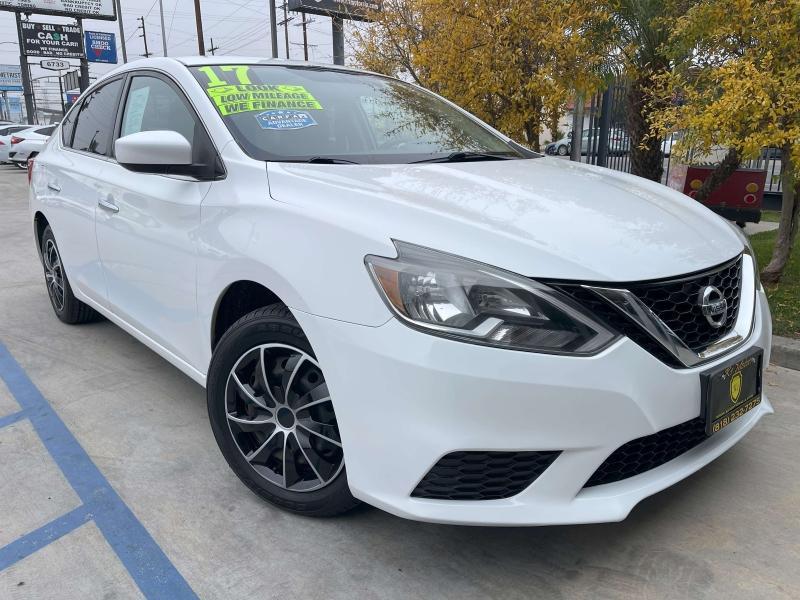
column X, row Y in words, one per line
column 358, row 10
column 54, row 64
column 49, row 39
column 10, row 78
column 100, row 47
column 87, row 9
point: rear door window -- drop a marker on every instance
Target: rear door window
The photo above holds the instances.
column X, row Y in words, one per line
column 94, row 126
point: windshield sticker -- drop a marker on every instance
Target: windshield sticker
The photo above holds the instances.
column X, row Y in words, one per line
column 235, row 99
column 285, row 119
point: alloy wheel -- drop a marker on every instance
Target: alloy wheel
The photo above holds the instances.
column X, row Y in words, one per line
column 54, row 274
column 281, row 418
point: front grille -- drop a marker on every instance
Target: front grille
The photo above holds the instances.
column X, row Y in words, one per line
column 676, row 303
column 614, row 319
column 469, row 475
column 649, row 452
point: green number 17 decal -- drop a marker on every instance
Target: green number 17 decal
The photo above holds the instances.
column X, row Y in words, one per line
column 246, row 96
column 214, row 80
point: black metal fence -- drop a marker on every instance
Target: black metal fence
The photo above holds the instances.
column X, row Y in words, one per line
column 606, row 142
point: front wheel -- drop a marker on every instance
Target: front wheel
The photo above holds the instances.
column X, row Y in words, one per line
column 273, row 417
column 67, row 307
column 562, row 150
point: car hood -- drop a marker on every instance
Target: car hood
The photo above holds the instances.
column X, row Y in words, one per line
column 542, row 217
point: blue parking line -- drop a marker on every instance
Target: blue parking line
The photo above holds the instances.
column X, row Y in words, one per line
column 146, row 562
column 39, row 538
column 12, row 418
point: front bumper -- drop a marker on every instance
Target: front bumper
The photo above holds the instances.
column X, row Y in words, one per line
column 404, row 399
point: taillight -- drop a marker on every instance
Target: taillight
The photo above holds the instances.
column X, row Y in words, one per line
column 30, row 170
column 2, row 143
column 16, row 140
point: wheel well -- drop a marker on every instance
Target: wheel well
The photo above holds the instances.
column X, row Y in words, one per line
column 40, row 223
column 239, row 299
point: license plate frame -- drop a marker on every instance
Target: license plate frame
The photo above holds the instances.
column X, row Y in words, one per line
column 731, row 390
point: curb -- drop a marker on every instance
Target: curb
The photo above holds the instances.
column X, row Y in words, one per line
column 785, row 352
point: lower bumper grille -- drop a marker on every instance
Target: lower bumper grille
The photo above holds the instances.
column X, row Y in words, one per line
column 649, row 452
column 483, row 475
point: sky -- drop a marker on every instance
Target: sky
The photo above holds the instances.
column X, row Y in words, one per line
column 238, row 27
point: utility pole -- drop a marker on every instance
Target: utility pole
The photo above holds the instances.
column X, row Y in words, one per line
column 163, row 31
column 273, row 28
column 212, row 48
column 121, row 32
column 337, row 34
column 285, row 24
column 198, row 19
column 27, row 91
column 305, row 39
column 146, row 54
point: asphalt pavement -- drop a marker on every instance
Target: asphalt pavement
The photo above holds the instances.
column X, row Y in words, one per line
column 111, row 486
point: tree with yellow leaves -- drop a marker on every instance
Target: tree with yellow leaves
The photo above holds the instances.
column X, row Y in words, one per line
column 739, row 88
column 513, row 63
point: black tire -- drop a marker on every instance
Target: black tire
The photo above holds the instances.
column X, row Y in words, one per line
column 272, row 324
column 562, row 150
column 67, row 307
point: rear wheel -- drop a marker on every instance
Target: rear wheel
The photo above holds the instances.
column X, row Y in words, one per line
column 273, row 417
column 66, row 306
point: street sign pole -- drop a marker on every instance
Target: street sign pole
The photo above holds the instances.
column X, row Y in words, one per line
column 84, row 61
column 121, row 33
column 61, row 95
column 27, row 91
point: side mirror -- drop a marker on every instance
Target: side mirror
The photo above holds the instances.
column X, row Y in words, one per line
column 569, row 135
column 158, row 152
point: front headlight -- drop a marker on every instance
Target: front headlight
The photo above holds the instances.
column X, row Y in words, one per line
column 458, row 298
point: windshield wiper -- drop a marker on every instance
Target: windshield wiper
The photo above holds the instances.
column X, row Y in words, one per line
column 463, row 157
column 327, row 160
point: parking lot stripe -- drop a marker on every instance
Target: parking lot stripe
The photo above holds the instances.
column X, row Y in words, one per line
column 39, row 538
column 12, row 418
column 146, row 562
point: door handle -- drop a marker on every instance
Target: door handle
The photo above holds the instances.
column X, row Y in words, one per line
column 54, row 186
column 108, row 205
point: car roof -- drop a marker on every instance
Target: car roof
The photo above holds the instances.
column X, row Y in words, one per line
column 196, row 61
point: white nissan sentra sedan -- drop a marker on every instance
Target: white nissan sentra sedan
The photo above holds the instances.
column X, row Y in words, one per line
column 388, row 301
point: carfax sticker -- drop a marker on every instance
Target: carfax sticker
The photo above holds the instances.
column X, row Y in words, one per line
column 285, row 119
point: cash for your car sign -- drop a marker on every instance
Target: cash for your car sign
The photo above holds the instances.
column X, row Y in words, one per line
column 89, row 9
column 10, row 78
column 101, row 47
column 49, row 39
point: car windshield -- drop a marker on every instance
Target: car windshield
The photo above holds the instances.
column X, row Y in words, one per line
column 314, row 114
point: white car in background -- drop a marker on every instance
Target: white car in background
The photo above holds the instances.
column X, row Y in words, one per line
column 28, row 143
column 6, row 132
column 387, row 300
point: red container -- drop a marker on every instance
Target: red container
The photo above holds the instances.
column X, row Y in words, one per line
column 739, row 198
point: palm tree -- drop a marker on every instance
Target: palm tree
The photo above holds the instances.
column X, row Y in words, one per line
column 640, row 32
